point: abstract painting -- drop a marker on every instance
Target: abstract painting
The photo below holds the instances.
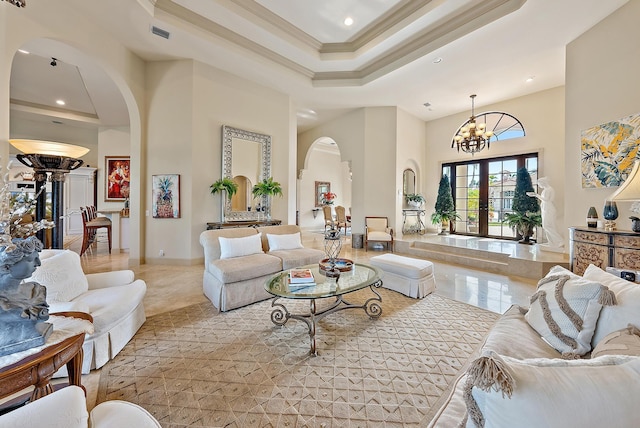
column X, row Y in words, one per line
column 608, row 152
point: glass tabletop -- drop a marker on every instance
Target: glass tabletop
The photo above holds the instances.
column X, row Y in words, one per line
column 361, row 276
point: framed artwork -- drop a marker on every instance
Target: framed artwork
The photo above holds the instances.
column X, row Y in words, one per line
column 116, row 181
column 608, row 152
column 321, row 187
column 166, row 196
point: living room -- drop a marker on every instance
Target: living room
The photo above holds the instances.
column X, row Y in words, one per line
column 177, row 107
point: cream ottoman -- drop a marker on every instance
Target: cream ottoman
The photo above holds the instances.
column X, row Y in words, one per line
column 406, row 275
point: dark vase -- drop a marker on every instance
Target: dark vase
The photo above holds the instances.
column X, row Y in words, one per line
column 610, row 210
column 592, row 217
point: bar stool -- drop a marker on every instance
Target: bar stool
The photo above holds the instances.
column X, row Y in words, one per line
column 90, row 227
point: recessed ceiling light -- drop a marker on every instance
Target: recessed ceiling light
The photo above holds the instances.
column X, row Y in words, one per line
column 348, row 21
column 22, row 51
column 60, row 102
column 530, row 79
column 437, row 60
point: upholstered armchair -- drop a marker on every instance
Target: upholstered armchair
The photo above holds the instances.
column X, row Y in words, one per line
column 376, row 229
column 67, row 408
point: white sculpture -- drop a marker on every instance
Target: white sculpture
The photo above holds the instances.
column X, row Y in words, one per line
column 549, row 214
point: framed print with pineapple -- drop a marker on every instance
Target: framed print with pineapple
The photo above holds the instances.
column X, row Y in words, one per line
column 117, row 175
column 166, row 196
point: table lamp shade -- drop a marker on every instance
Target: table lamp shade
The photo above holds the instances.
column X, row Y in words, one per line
column 630, row 189
column 49, row 148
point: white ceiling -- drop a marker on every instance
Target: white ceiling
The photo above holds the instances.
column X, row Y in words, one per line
column 302, row 48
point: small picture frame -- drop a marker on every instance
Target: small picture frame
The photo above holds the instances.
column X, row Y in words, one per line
column 166, row 195
column 117, row 174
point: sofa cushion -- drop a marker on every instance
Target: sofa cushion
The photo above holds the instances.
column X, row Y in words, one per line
column 564, row 311
column 627, row 309
column 61, row 272
column 552, row 393
column 284, row 242
column 298, row 257
column 110, row 305
column 621, row 342
column 243, row 268
column 238, row 247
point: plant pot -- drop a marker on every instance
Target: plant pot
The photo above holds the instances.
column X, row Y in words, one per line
column 414, row 204
column 526, row 232
column 445, row 227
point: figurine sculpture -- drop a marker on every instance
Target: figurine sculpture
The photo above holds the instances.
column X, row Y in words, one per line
column 23, row 305
column 549, row 214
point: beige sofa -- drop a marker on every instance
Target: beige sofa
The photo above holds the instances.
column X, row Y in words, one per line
column 521, row 380
column 232, row 282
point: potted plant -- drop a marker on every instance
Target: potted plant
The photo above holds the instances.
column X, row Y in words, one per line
column 226, row 185
column 328, row 198
column 445, row 210
column 414, row 199
column 526, row 209
column 265, row 189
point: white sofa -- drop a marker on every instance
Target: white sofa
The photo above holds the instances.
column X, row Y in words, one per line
column 113, row 299
column 236, row 281
column 521, row 380
column 67, row 408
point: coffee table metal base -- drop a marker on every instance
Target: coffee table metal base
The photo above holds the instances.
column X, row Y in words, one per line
column 280, row 314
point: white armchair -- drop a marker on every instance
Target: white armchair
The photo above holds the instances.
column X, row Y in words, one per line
column 376, row 229
column 114, row 300
column 67, row 408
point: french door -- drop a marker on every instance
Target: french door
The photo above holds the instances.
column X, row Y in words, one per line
column 483, row 192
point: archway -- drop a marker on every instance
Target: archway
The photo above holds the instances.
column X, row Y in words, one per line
column 323, row 164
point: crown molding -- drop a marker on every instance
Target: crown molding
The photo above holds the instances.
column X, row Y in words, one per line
column 463, row 21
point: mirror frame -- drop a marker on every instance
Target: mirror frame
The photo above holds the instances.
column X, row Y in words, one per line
column 228, row 134
column 405, row 185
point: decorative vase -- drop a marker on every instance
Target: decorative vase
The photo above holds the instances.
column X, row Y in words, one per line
column 332, row 247
column 592, row 217
column 635, row 224
column 415, row 204
column 610, row 213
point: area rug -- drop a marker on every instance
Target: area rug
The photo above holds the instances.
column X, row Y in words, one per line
column 200, row 368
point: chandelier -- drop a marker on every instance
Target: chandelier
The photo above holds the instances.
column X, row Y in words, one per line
column 19, row 3
column 472, row 137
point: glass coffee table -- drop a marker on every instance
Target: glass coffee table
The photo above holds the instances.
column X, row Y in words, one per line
column 359, row 277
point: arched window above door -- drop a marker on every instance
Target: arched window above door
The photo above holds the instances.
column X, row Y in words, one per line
column 503, row 125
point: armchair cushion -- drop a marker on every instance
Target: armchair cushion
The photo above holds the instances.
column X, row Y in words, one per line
column 61, row 272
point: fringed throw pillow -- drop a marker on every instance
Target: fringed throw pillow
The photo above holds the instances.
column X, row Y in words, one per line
column 504, row 392
column 564, row 311
column 621, row 342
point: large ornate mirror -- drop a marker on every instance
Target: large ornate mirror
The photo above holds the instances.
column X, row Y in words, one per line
column 408, row 182
column 246, row 158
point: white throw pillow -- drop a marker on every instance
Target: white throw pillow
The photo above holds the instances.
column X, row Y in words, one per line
column 627, row 309
column 238, row 247
column 62, row 274
column 553, row 393
column 284, row 242
column 564, row 311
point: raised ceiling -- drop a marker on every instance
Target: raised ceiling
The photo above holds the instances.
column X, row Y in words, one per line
column 388, row 57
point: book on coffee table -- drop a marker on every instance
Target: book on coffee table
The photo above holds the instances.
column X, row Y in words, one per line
column 301, row 276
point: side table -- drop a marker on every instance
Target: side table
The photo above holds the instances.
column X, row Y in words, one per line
column 418, row 225
column 38, row 369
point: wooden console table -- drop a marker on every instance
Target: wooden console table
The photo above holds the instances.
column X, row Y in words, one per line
column 242, row 223
column 38, row 369
column 618, row 248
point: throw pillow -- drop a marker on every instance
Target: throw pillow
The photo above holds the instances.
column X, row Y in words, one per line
column 621, row 342
column 238, row 247
column 627, row 309
column 564, row 311
column 284, row 242
column 62, row 274
column 507, row 392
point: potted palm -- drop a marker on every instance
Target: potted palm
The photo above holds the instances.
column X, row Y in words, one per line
column 526, row 209
column 414, row 199
column 445, row 210
column 265, row 189
column 226, row 185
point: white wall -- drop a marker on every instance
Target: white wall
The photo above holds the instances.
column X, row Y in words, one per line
column 601, row 86
column 542, row 115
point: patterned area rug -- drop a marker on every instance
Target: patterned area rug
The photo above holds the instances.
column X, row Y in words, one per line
column 201, row 368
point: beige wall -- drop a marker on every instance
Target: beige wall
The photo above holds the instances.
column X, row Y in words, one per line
column 601, row 86
column 542, row 115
